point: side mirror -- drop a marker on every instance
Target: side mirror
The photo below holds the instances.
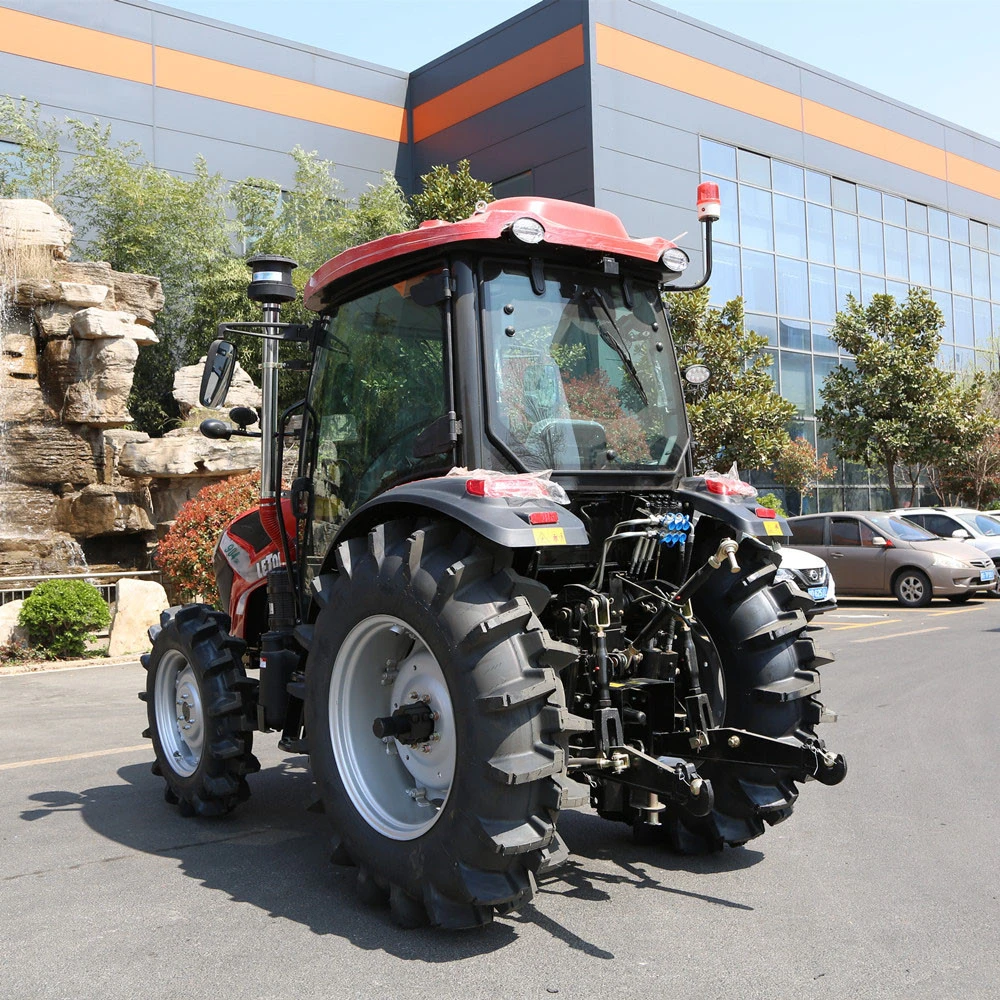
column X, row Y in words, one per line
column 879, row 542
column 218, row 375
column 960, row 533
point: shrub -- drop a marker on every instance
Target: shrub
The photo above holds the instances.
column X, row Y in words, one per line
column 59, row 614
column 185, row 553
column 773, row 501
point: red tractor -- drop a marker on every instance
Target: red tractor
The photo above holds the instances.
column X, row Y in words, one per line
column 495, row 589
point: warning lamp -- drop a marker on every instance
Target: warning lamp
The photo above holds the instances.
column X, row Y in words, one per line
column 709, row 204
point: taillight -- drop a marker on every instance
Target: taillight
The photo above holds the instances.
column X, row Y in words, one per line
column 523, row 487
column 544, row 517
column 727, row 486
column 765, row 512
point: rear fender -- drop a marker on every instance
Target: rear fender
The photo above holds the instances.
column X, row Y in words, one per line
column 737, row 516
column 502, row 521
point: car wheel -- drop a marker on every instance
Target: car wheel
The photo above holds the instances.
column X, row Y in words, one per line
column 962, row 598
column 912, row 588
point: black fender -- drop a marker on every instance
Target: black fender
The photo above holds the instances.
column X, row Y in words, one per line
column 736, row 515
column 503, row 521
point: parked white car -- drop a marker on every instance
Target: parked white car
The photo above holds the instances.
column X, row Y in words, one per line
column 810, row 573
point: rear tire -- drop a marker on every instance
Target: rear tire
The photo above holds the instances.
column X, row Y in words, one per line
column 769, row 670
column 197, row 702
column 912, row 588
column 451, row 619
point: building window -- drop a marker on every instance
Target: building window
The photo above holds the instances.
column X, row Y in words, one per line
column 787, row 227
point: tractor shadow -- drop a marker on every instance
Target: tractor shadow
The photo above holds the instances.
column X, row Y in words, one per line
column 273, row 853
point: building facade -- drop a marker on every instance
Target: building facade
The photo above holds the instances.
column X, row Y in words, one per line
column 828, row 189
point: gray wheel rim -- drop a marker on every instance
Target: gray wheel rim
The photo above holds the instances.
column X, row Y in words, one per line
column 399, row 789
column 180, row 716
column 912, row 589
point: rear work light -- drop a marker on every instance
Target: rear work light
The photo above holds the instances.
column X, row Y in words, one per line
column 544, row 517
column 709, row 204
column 674, row 259
column 522, row 487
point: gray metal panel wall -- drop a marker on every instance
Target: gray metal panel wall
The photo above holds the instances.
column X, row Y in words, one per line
column 637, row 118
column 174, row 127
column 546, row 129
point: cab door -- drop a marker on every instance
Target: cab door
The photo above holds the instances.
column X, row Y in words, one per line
column 857, row 564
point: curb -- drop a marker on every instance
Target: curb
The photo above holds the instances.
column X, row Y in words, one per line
column 49, row 666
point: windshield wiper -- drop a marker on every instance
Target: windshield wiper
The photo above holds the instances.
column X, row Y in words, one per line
column 617, row 342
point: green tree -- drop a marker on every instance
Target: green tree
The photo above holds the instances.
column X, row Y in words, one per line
column 736, row 416
column 896, row 407
column 449, row 196
column 31, row 169
column 971, row 476
column 799, row 468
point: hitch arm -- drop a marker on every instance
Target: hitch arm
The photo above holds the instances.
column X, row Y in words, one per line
column 668, row 777
column 739, row 747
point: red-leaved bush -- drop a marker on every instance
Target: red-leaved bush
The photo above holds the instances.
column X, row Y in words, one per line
column 185, row 553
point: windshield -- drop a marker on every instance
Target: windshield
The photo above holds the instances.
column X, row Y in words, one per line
column 981, row 524
column 906, row 531
column 580, row 370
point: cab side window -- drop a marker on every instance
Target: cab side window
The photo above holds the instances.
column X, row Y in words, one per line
column 845, row 531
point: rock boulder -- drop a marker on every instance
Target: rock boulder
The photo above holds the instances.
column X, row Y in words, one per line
column 139, row 605
column 187, row 385
column 29, row 223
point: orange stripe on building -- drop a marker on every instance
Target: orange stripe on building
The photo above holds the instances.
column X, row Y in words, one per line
column 531, row 68
column 658, row 64
column 251, row 88
column 95, row 51
column 69, row 45
column 972, row 175
column 669, row 68
column 824, row 122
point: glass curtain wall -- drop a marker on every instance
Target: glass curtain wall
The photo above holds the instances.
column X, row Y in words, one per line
column 796, row 242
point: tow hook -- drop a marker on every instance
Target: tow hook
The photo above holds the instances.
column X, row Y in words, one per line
column 832, row 769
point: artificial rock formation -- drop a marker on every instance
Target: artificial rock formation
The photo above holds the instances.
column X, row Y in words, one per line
column 70, row 472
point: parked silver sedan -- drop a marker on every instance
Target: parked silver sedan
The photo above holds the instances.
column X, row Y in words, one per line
column 876, row 553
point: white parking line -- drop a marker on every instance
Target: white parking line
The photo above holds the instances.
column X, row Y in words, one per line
column 897, row 635
column 73, row 756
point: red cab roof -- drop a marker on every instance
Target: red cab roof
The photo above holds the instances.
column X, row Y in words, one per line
column 566, row 224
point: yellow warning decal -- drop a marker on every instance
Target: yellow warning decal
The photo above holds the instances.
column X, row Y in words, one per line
column 549, row 536
column 773, row 528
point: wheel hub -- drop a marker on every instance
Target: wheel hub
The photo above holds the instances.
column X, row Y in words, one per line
column 180, row 719
column 398, row 769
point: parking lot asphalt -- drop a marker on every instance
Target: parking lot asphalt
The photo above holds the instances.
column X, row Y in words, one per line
column 884, row 886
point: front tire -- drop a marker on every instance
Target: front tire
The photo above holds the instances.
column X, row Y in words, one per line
column 769, row 673
column 197, row 702
column 450, row 829
column 912, row 588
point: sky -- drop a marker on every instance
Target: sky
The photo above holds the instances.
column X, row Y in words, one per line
column 939, row 56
